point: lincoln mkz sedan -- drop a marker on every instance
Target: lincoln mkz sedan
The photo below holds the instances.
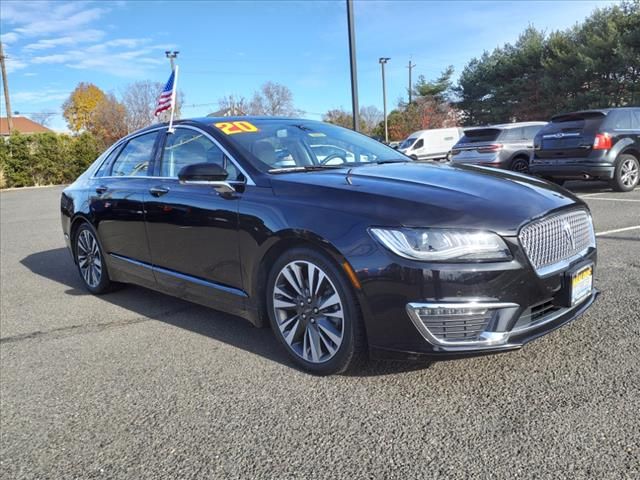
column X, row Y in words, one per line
column 344, row 251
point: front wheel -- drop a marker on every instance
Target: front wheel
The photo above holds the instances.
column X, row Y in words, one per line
column 90, row 261
column 314, row 313
column 626, row 174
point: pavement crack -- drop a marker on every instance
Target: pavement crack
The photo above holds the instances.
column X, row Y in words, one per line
column 88, row 328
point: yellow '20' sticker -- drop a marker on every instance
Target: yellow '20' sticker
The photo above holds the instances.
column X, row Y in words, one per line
column 236, row 127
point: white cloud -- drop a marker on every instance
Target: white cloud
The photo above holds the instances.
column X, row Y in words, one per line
column 74, row 38
column 45, row 95
column 8, row 38
column 14, row 64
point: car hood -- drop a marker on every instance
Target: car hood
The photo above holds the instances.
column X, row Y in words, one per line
column 423, row 194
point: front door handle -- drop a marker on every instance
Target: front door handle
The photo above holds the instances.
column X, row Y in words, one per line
column 101, row 189
column 158, row 191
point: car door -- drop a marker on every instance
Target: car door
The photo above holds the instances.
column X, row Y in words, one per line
column 193, row 230
column 118, row 207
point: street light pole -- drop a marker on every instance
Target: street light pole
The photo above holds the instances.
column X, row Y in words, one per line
column 171, row 55
column 410, row 67
column 352, row 61
column 383, row 61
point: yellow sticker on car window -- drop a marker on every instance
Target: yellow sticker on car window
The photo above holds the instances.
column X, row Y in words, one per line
column 231, row 128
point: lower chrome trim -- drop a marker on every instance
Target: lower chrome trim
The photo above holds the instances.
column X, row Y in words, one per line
column 487, row 339
column 182, row 276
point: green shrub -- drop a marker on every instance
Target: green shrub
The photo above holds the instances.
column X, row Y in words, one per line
column 45, row 158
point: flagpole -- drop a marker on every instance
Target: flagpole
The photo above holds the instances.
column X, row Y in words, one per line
column 173, row 100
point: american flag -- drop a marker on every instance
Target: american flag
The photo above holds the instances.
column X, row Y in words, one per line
column 165, row 100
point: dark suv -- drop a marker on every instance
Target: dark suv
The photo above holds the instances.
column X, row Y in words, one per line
column 591, row 145
column 505, row 146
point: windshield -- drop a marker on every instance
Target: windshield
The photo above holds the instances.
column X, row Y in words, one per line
column 287, row 144
column 407, row 142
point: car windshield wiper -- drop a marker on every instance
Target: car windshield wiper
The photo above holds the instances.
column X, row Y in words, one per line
column 304, row 168
column 399, row 160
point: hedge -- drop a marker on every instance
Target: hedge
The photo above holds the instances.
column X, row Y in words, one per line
column 45, row 158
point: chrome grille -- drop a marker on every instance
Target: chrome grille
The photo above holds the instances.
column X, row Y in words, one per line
column 553, row 240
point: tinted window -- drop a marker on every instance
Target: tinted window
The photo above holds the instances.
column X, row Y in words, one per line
column 621, row 120
column 134, row 158
column 106, row 165
column 480, row 135
column 419, row 144
column 408, row 142
column 531, row 132
column 188, row 147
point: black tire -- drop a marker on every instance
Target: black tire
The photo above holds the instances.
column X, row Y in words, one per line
column 414, row 158
column 520, row 165
column 625, row 180
column 352, row 348
column 81, row 244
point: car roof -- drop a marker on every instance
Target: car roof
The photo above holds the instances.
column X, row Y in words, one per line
column 506, row 126
column 604, row 111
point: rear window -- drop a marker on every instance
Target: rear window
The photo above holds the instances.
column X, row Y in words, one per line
column 577, row 116
column 480, row 135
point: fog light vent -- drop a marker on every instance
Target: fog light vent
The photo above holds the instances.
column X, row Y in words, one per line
column 459, row 324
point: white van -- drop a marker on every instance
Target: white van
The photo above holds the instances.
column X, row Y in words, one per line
column 431, row 144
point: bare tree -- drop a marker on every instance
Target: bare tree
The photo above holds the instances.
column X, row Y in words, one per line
column 43, row 118
column 338, row 116
column 140, row 99
column 370, row 117
column 273, row 99
column 110, row 120
column 233, row 105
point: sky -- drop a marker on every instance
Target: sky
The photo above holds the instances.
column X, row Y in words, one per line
column 232, row 47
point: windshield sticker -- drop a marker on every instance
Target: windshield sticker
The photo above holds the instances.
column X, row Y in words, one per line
column 317, row 134
column 231, row 128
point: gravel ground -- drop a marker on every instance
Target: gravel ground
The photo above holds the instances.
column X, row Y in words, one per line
column 139, row 385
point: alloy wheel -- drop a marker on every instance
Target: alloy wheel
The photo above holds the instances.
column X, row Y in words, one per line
column 308, row 311
column 89, row 258
column 629, row 172
column 520, row 166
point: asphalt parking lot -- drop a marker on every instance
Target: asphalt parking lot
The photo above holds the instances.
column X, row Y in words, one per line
column 138, row 385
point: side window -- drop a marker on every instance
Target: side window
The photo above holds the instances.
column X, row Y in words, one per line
column 622, row 120
column 512, row 134
column 187, row 147
column 636, row 119
column 134, row 158
column 419, row 144
column 106, row 165
column 531, row 132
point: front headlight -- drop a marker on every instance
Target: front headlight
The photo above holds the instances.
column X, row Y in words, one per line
column 433, row 244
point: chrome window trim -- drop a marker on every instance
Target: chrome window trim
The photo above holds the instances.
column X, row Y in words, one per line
column 249, row 180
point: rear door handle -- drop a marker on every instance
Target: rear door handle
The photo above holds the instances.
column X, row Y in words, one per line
column 101, row 189
column 158, row 191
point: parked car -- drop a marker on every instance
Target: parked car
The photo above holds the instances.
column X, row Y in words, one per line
column 505, row 146
column 432, row 144
column 382, row 255
column 591, row 145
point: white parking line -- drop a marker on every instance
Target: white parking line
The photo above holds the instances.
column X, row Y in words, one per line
column 590, row 194
column 625, row 229
column 616, row 199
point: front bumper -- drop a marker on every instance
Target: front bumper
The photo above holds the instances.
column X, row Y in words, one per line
column 531, row 305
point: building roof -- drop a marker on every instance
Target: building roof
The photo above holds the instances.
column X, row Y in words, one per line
column 22, row 125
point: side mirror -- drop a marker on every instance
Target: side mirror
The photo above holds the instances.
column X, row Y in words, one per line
column 206, row 174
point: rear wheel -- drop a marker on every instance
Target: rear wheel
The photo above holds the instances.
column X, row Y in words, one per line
column 314, row 313
column 90, row 260
column 626, row 174
column 520, row 165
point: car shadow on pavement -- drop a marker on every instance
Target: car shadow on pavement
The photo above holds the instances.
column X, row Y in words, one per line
column 57, row 265
column 579, row 186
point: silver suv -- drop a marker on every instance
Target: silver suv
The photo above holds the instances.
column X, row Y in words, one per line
column 507, row 146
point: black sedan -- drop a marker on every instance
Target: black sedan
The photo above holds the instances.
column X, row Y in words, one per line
column 356, row 251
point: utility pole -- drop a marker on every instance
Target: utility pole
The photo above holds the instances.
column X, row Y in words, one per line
column 352, row 61
column 5, row 85
column 383, row 61
column 171, row 55
column 410, row 67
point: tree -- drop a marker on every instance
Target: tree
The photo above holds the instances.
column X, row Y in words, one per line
column 338, row 116
column 43, row 118
column 370, row 117
column 140, row 100
column 110, row 121
column 233, row 105
column 79, row 108
column 273, row 99
column 439, row 88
